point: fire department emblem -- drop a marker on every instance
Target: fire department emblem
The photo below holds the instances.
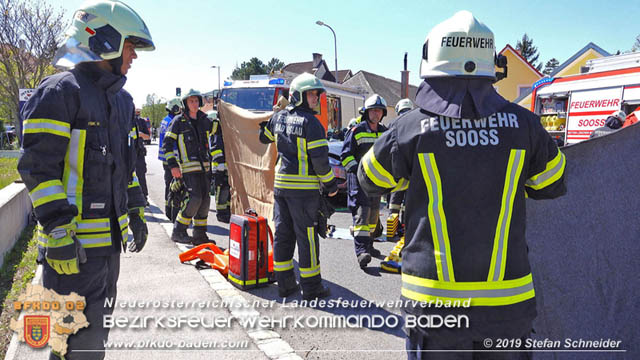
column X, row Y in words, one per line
column 36, row 330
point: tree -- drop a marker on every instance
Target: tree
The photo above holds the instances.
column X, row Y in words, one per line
column 274, row 65
column 154, row 109
column 550, row 66
column 29, row 33
column 255, row 66
column 528, row 51
column 636, row 45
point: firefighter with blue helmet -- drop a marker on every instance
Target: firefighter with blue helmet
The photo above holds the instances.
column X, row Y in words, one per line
column 78, row 163
column 173, row 108
column 220, row 181
column 301, row 172
column 365, row 209
column 190, row 133
column 468, row 159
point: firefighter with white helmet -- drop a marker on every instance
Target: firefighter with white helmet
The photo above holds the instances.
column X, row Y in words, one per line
column 173, row 108
column 190, row 132
column 468, row 158
column 364, row 208
column 403, row 106
column 302, row 169
column 78, row 163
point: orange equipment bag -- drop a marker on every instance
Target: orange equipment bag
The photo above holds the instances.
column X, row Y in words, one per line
column 210, row 257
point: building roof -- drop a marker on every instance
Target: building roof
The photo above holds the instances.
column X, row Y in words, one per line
column 343, row 75
column 518, row 55
column 322, row 71
column 371, row 83
column 589, row 46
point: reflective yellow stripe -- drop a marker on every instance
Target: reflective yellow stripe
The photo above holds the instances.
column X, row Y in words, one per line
column 247, row 282
column 199, row 222
column 35, row 126
column 437, row 219
column 92, row 225
column 95, row 240
column 481, row 293
column 47, row 192
column 216, row 153
column 501, row 238
column 297, row 186
column 268, row 134
column 403, row 184
column 375, row 172
column 184, row 157
column 303, row 167
column 317, row 144
column 361, row 230
column 361, row 135
column 171, row 135
column 72, row 176
column 347, row 160
column 327, row 177
column 134, row 182
column 183, row 220
column 552, row 172
column 283, row 265
column 296, row 178
column 312, row 247
column 310, row 272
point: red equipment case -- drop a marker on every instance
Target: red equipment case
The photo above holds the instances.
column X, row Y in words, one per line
column 249, row 260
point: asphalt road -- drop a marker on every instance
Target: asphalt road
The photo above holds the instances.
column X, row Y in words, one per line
column 346, row 280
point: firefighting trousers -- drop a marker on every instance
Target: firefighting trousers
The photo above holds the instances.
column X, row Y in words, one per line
column 96, row 281
column 365, row 219
column 141, row 172
column 197, row 206
column 223, row 197
column 167, row 181
column 421, row 341
column 295, row 221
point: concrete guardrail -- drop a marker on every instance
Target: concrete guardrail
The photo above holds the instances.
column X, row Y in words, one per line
column 15, row 207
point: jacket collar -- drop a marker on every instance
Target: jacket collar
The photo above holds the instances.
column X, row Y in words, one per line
column 459, row 97
column 105, row 80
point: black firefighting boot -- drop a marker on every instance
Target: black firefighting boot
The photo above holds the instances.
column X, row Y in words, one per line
column 200, row 236
column 287, row 286
column 180, row 235
column 364, row 259
column 318, row 293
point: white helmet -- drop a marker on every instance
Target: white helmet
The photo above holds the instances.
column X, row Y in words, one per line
column 375, row 101
column 174, row 105
column 98, row 31
column 459, row 46
column 301, row 84
column 620, row 115
column 212, row 115
column 403, row 105
column 353, row 122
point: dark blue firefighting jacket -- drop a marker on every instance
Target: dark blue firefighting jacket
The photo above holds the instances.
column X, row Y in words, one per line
column 303, row 153
column 80, row 153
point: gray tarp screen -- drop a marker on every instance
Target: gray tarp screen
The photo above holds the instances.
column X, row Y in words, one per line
column 251, row 164
column 584, row 248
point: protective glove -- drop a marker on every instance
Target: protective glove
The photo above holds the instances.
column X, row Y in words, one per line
column 138, row 226
column 176, row 185
column 64, row 253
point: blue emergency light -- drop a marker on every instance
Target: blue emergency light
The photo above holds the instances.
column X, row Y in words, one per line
column 228, row 83
column 276, row 82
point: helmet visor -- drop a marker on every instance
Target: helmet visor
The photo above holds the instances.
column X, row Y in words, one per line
column 72, row 53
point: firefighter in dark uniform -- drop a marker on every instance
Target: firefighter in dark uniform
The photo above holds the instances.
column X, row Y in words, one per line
column 190, row 132
column 220, row 182
column 78, row 163
column 470, row 158
column 364, row 209
column 144, row 134
column 302, row 169
column 173, row 107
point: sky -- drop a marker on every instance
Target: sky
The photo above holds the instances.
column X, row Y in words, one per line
column 191, row 36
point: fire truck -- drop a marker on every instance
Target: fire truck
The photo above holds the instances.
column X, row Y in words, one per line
column 571, row 107
column 338, row 104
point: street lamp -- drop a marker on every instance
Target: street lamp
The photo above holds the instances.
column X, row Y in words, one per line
column 218, row 67
column 335, row 45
